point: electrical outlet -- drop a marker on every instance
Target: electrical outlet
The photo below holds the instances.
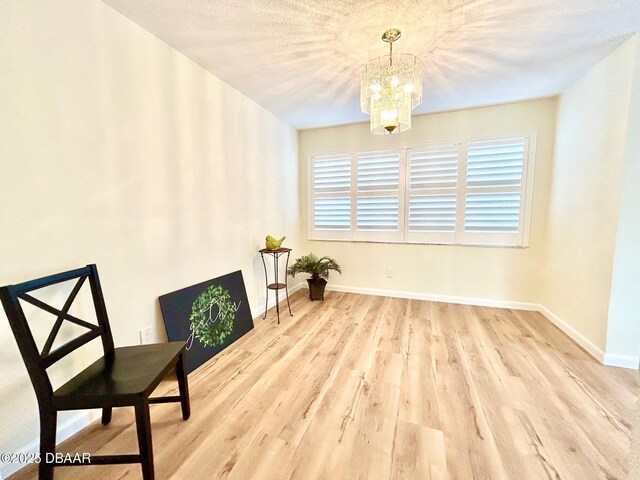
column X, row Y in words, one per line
column 389, row 272
column 145, row 336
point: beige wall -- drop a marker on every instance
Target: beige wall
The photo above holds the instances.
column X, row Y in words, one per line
column 118, row 150
column 623, row 333
column 504, row 274
column 586, row 186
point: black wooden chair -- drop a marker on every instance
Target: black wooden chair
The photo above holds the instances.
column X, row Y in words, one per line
column 122, row 377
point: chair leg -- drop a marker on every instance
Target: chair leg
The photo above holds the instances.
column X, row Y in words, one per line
column 183, row 385
column 106, row 416
column 48, row 425
column 143, row 427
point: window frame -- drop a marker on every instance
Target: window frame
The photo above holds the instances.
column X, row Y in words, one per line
column 521, row 239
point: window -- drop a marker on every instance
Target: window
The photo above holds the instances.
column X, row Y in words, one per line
column 475, row 192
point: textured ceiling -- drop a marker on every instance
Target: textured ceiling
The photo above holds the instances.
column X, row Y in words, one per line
column 301, row 59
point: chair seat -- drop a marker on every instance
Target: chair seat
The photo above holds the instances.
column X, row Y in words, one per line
column 135, row 371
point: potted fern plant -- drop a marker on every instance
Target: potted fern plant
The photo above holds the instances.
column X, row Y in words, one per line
column 319, row 269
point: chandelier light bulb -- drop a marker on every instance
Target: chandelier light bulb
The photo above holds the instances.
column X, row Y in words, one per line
column 389, row 115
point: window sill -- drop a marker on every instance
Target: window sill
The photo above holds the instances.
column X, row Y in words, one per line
column 516, row 247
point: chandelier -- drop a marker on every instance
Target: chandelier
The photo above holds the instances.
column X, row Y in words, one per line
column 391, row 87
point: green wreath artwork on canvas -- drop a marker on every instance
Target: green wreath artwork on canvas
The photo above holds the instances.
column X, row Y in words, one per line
column 209, row 325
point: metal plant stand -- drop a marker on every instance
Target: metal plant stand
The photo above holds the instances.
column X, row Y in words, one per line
column 276, row 285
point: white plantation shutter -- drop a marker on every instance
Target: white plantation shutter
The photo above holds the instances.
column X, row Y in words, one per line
column 464, row 193
column 332, row 213
column 377, row 202
column 377, row 214
column 494, row 196
column 331, row 196
column 432, row 194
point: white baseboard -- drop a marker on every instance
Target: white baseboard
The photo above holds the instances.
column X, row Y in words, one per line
column 606, row 358
column 610, row 359
column 256, row 312
column 72, row 426
column 595, row 351
column 624, row 361
column 481, row 302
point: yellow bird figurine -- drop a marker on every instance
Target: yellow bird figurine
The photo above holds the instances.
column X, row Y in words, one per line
column 272, row 243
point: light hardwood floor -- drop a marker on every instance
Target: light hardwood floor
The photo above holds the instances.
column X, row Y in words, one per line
column 365, row 387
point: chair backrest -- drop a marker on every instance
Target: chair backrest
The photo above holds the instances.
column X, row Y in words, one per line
column 38, row 361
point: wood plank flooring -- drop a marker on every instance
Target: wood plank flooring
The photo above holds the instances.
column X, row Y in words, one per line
column 365, row 387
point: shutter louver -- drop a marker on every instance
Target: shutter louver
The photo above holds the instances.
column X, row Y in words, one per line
column 432, row 196
column 378, row 172
column 332, row 175
column 378, row 197
column 378, row 214
column 492, row 212
column 332, row 195
column 432, row 213
column 495, row 165
column 434, row 169
column 332, row 213
column 494, row 184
